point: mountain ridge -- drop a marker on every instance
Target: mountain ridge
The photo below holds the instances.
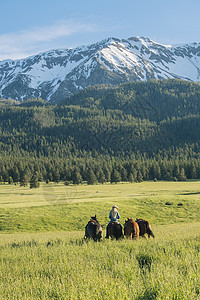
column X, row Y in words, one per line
column 60, row 73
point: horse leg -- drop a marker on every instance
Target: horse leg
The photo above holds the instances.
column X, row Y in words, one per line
column 121, row 232
column 99, row 236
column 107, row 233
column 151, row 234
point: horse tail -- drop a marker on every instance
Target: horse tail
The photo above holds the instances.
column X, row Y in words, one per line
column 117, row 231
column 135, row 230
column 87, row 231
column 149, row 231
column 90, row 230
column 98, row 232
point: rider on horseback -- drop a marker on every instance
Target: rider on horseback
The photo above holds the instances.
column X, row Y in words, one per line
column 113, row 216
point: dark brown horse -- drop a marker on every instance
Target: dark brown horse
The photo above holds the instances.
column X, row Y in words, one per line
column 145, row 227
column 131, row 229
column 115, row 230
column 93, row 229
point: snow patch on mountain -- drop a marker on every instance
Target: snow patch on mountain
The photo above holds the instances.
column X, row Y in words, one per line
column 56, row 74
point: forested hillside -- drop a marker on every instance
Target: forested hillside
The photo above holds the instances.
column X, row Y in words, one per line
column 135, row 131
column 155, row 100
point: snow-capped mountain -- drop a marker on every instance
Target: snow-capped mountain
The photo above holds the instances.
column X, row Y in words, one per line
column 57, row 74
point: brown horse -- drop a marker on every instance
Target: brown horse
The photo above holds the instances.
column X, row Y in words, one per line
column 93, row 229
column 145, row 227
column 115, row 230
column 131, row 229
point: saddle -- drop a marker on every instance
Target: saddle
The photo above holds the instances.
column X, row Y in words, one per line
column 114, row 222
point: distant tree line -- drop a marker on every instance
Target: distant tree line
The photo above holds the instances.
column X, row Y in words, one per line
column 101, row 171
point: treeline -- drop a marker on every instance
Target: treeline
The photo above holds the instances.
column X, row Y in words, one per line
column 99, row 170
column 133, row 132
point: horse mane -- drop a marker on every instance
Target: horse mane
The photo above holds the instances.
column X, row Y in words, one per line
column 129, row 220
column 139, row 220
column 94, row 220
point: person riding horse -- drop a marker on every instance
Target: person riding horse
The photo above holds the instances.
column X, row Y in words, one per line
column 114, row 216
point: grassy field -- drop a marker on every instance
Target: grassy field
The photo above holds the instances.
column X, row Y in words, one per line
column 43, row 254
column 61, row 265
column 56, row 207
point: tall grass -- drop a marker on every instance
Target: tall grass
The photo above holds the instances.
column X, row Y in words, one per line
column 59, row 264
column 44, row 266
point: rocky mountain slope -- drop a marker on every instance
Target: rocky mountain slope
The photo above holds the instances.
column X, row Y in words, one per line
column 57, row 74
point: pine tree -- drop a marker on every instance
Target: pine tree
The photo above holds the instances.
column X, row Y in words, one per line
column 76, row 177
column 67, row 174
column 10, row 180
column 139, row 176
column 123, row 173
column 130, row 178
column 176, row 170
column 24, row 179
column 50, row 176
column 56, row 175
column 156, row 171
column 16, row 175
column 182, row 176
column 107, row 174
column 102, row 177
column 115, row 176
column 91, row 178
column 5, row 174
column 34, row 183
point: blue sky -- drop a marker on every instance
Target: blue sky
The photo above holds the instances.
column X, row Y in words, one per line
column 28, row 27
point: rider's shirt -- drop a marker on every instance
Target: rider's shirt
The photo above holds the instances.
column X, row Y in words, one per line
column 112, row 219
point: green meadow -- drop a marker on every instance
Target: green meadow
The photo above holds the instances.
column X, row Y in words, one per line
column 56, row 207
column 43, row 254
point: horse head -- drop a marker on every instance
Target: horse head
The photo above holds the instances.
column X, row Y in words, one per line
column 94, row 219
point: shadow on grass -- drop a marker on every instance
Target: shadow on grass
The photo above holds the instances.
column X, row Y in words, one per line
column 193, row 193
column 144, row 261
column 149, row 294
column 31, row 243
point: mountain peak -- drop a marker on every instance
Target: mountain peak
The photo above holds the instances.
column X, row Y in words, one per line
column 59, row 73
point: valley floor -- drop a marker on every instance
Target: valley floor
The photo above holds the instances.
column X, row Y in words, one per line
column 43, row 254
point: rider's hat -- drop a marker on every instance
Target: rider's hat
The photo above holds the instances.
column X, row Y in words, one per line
column 115, row 206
